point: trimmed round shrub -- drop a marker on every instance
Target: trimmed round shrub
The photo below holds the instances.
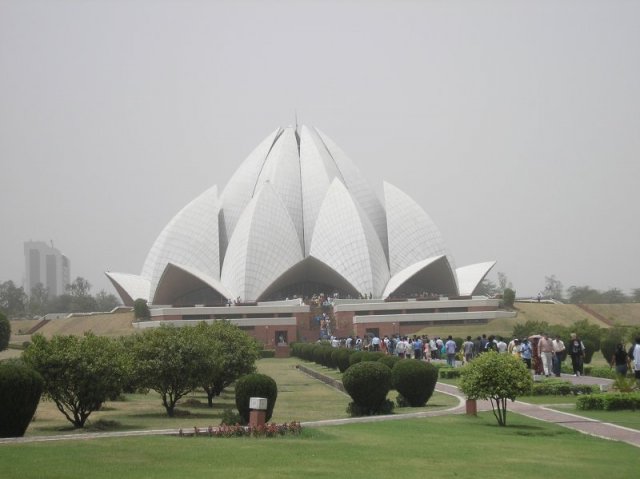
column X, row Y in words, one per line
column 20, row 391
column 318, row 354
column 589, row 349
column 415, row 381
column 373, row 355
column 327, row 359
column 608, row 348
column 340, row 358
column 5, row 332
column 368, row 384
column 389, row 361
column 255, row 385
column 356, row 357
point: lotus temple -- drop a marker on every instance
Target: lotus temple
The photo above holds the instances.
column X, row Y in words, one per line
column 297, row 244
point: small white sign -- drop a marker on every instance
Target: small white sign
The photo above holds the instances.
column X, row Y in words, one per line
column 258, row 403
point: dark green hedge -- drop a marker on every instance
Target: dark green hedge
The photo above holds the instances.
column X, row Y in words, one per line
column 415, row 381
column 368, row 384
column 555, row 387
column 20, row 391
column 609, row 401
column 255, row 385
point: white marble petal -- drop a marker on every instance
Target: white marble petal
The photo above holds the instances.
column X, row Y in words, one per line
column 191, row 238
column 413, row 236
column 431, row 275
column 345, row 240
column 178, row 280
column 470, row 276
column 264, row 245
column 129, row 286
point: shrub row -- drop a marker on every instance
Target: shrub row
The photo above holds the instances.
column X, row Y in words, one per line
column 609, row 401
column 554, row 387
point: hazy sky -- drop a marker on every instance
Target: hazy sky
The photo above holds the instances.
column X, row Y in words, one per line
column 515, row 125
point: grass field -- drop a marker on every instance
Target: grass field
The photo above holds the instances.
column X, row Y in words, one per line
column 443, row 447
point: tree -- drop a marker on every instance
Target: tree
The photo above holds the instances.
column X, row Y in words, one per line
column 5, row 332
column 503, row 282
column 141, row 310
column 80, row 373
column 38, row 300
column 105, row 301
column 234, row 355
column 81, row 299
column 553, row 288
column 614, row 296
column 584, row 295
column 13, row 300
column 635, row 295
column 509, row 297
column 496, row 377
column 171, row 361
column 486, row 288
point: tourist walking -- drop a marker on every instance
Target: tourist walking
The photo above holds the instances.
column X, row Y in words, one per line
column 576, row 350
column 467, row 349
column 526, row 352
column 559, row 352
column 450, row 348
column 545, row 352
column 620, row 360
column 634, row 355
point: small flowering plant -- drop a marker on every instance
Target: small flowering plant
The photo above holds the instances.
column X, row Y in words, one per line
column 237, row 430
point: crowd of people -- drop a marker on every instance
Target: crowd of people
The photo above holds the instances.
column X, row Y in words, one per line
column 541, row 353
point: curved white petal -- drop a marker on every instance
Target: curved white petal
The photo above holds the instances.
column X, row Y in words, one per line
column 282, row 171
column 241, row 187
column 345, row 240
column 190, row 238
column 129, row 286
column 359, row 188
column 413, row 236
column 470, row 276
column 187, row 284
column 264, row 245
column 431, row 275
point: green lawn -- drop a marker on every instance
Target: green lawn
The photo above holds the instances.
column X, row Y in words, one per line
column 450, row 446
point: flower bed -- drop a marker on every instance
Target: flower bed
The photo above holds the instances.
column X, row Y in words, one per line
column 268, row 430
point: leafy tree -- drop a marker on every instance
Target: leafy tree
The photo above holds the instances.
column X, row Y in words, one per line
column 141, row 310
column 553, row 288
column 635, row 295
column 105, row 301
column 81, row 299
column 13, row 299
column 5, row 332
column 486, row 288
column 496, row 377
column 59, row 304
column 38, row 300
column 614, row 296
column 80, row 373
column 528, row 328
column 584, row 295
column 509, row 297
column 234, row 355
column 171, row 361
column 503, row 282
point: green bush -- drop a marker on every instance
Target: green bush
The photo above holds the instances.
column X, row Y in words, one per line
column 5, row 332
column 609, row 401
column 368, row 384
column 327, row 359
column 589, row 349
column 20, row 391
column 556, row 387
column 255, row 385
column 389, row 361
column 318, row 354
column 601, row 372
column 450, row 373
column 340, row 358
column 373, row 355
column 415, row 381
column 356, row 357
column 267, row 353
column 608, row 348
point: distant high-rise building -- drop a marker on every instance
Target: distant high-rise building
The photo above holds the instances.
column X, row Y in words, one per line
column 45, row 264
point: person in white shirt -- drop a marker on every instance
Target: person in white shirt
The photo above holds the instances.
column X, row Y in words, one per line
column 559, row 352
column 634, row 355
